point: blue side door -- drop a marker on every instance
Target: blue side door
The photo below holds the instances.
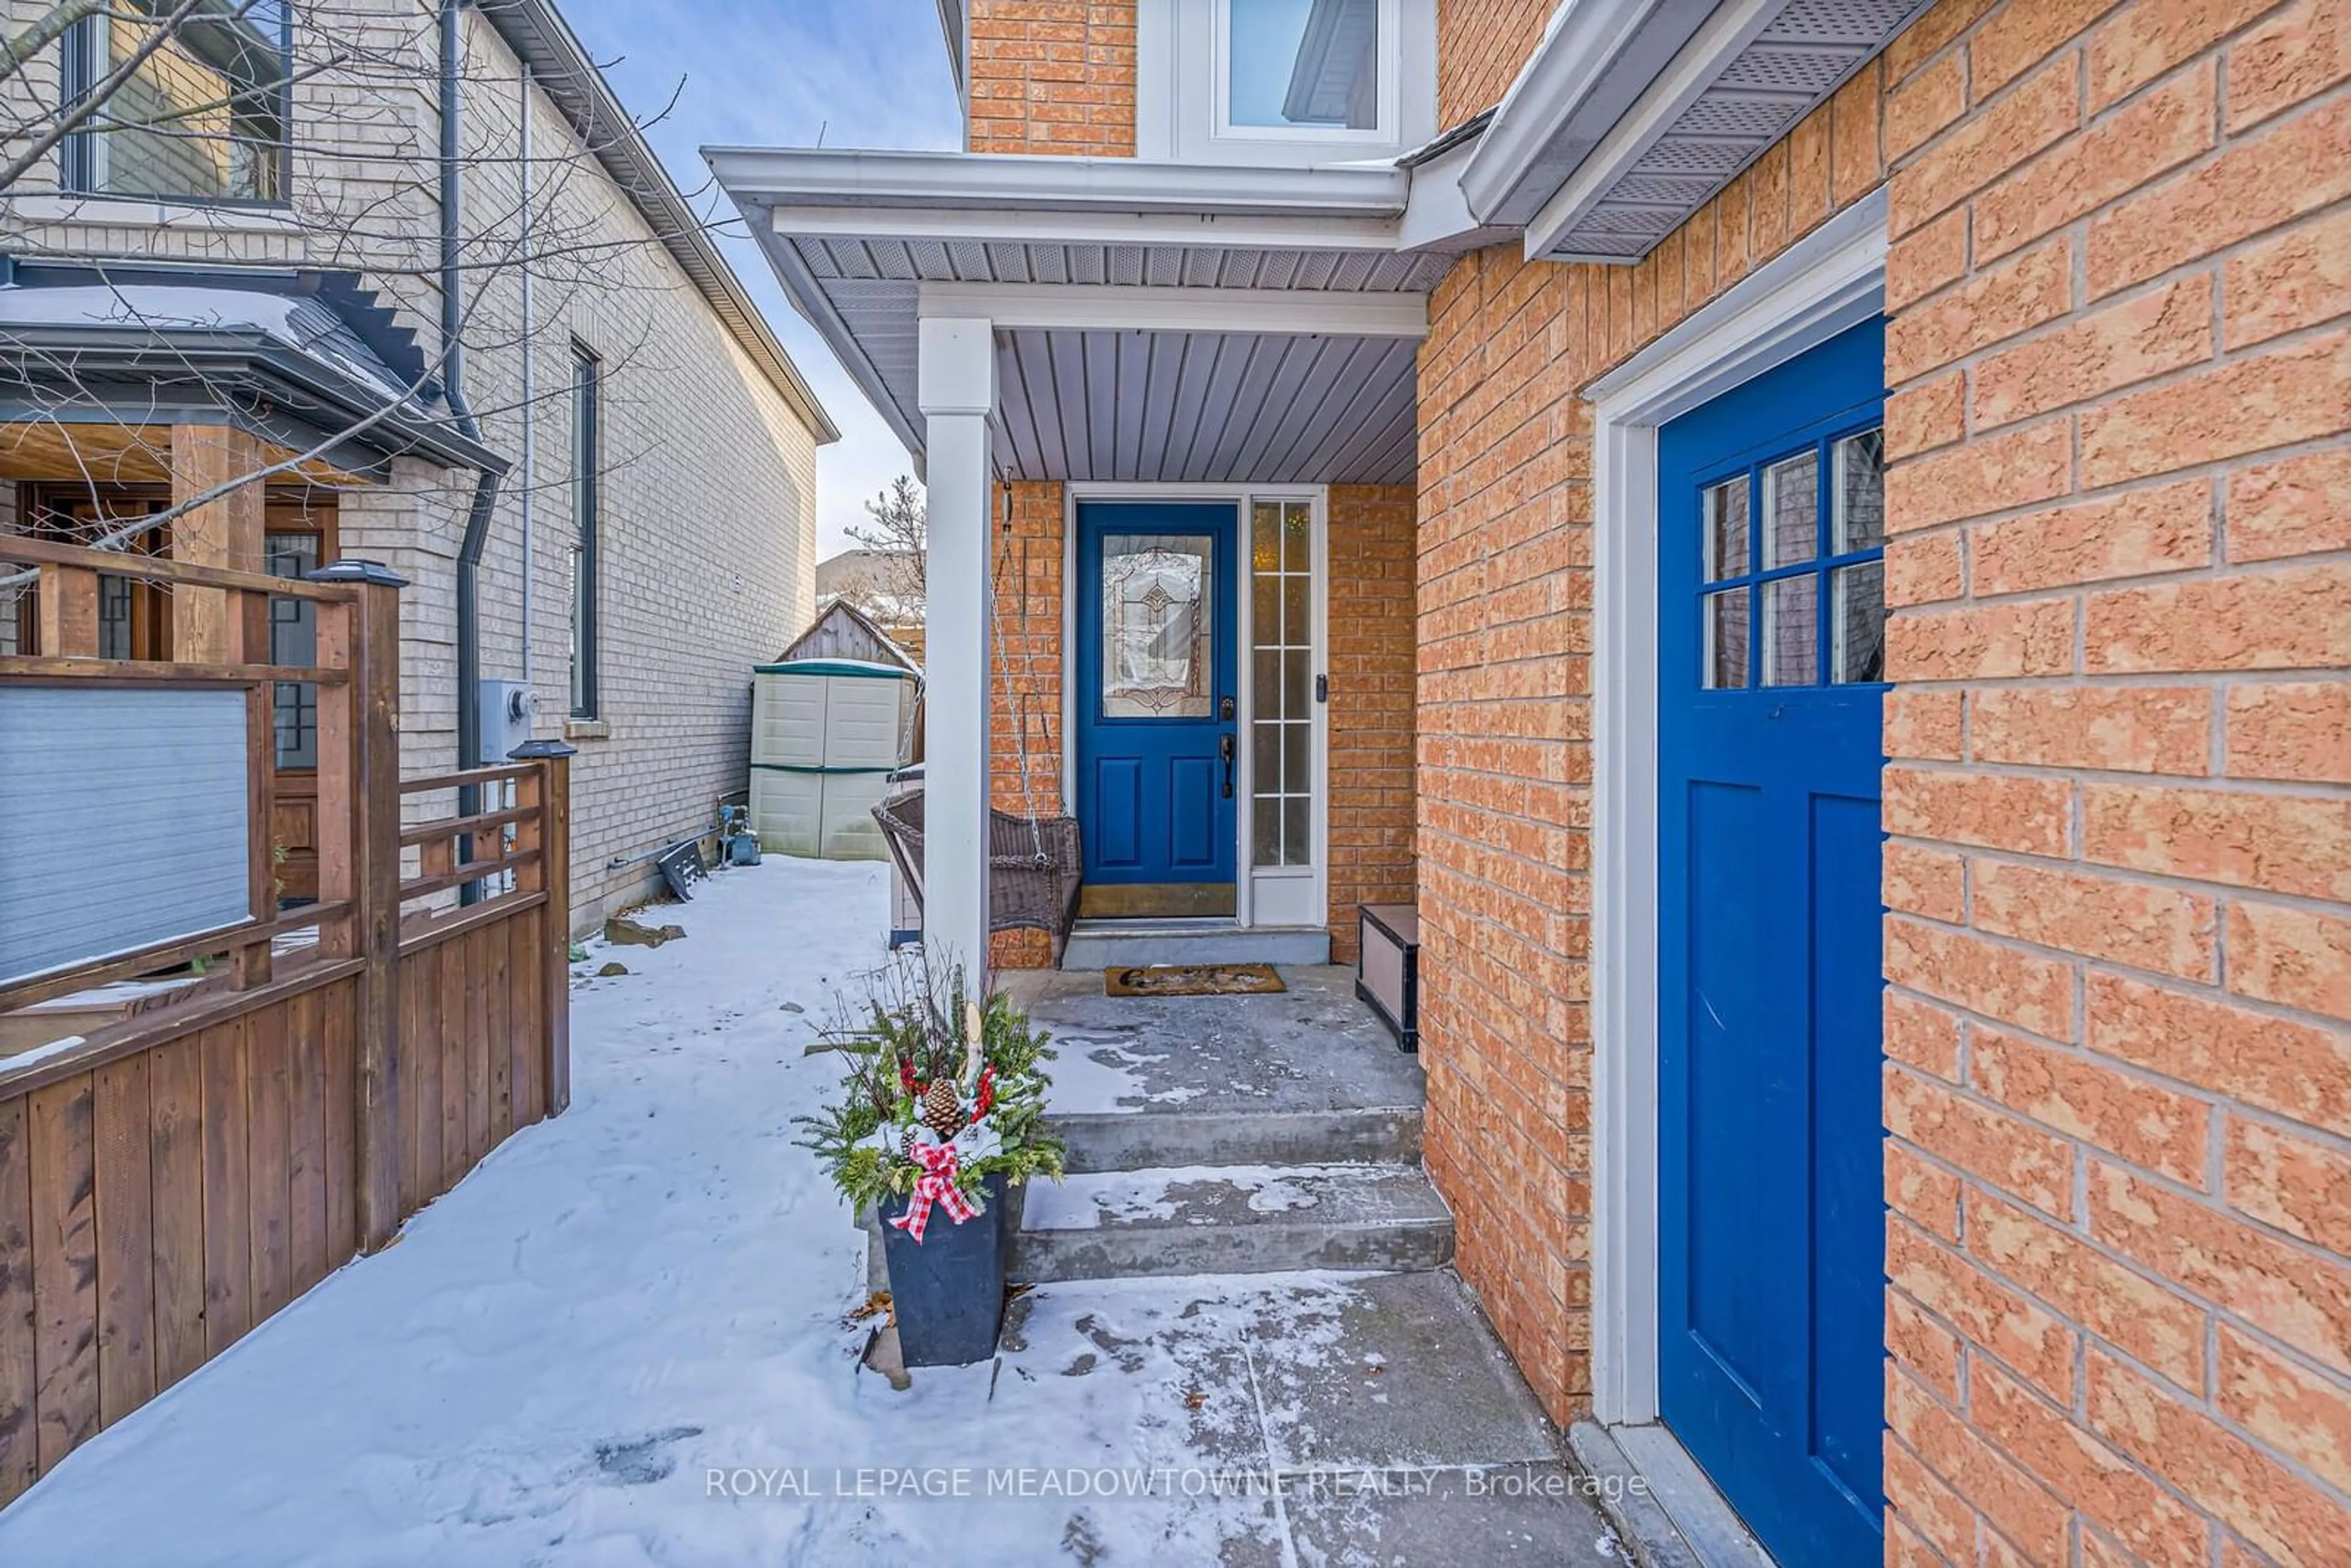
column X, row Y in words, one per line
column 1772, row 1204
column 1155, row 712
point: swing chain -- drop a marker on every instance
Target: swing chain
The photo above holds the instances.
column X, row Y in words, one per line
column 1014, row 706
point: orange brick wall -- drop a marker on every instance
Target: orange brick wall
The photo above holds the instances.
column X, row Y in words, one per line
column 1052, row 75
column 1371, row 632
column 2120, row 877
column 1370, row 718
column 1028, row 639
column 1504, row 808
column 2120, row 868
column 1504, row 709
column 1481, row 45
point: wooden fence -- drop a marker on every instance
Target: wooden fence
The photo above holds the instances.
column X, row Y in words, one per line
column 176, row 1176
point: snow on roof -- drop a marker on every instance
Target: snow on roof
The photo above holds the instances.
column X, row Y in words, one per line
column 300, row 323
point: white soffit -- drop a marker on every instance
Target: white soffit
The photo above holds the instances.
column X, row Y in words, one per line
column 864, row 294
column 1206, row 407
column 1751, row 72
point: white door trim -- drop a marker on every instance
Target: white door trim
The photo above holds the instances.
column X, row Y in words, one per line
column 1074, row 491
column 1833, row 279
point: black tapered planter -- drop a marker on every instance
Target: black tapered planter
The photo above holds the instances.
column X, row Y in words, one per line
column 947, row 1290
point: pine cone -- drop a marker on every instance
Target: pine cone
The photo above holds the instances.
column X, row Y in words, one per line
column 942, row 1109
column 907, row 1143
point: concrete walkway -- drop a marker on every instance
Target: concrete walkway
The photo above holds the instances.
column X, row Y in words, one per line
column 1356, row 1419
column 625, row 1341
column 1377, row 1416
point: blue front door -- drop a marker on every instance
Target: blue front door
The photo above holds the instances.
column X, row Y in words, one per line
column 1772, row 1208
column 1155, row 706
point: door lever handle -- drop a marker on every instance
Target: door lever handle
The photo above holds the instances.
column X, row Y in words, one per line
column 1225, row 749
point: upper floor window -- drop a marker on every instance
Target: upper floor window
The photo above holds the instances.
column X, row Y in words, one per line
column 192, row 110
column 1284, row 82
column 1310, row 65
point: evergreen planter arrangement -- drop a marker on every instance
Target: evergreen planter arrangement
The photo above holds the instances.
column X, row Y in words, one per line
column 939, row 1113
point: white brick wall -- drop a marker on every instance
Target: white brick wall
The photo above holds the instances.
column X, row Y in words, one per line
column 709, row 515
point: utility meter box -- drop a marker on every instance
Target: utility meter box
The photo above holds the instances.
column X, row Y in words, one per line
column 507, row 708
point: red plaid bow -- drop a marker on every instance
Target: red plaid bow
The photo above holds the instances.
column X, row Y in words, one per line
column 936, row 1183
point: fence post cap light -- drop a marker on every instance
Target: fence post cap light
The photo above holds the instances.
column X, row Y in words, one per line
column 532, row 750
column 354, row 570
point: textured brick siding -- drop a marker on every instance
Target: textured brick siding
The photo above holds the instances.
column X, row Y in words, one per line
column 1504, row 803
column 1481, row 45
column 1505, row 718
column 1028, row 575
column 1370, row 718
column 2121, row 841
column 1371, row 630
column 1053, row 75
column 2120, row 879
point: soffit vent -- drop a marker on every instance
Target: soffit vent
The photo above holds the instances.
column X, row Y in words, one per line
column 1783, row 73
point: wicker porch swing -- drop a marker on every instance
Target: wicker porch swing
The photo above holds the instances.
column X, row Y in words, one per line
column 1034, row 861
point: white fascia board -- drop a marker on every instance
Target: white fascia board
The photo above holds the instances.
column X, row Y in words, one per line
column 1722, row 39
column 1209, row 230
column 1559, row 106
column 932, row 180
column 951, row 25
column 807, row 297
column 1113, row 306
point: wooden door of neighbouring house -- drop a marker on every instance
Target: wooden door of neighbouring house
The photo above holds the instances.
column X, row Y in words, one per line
column 134, row 618
column 300, row 537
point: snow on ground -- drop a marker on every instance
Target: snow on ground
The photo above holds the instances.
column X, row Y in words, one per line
column 552, row 1359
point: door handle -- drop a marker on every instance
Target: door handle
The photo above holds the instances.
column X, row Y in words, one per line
column 1225, row 749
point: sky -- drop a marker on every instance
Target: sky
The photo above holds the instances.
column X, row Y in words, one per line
column 783, row 73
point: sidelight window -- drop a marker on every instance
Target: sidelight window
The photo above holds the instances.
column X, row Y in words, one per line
column 1282, row 717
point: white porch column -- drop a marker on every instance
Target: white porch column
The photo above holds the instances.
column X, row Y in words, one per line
column 956, row 388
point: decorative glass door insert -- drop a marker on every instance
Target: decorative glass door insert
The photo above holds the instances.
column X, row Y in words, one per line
column 1158, row 639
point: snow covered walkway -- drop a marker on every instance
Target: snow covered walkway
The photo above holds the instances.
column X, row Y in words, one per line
column 621, row 1341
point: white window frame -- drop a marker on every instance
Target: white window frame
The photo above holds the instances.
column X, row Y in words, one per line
column 85, row 156
column 1829, row 281
column 1277, row 897
column 1183, row 92
column 1384, row 128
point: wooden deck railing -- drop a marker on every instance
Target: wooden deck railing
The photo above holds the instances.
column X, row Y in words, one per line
column 172, row 1178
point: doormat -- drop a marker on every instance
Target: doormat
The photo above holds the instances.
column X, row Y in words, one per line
column 1191, row 980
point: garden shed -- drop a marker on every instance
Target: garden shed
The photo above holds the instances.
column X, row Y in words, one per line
column 826, row 735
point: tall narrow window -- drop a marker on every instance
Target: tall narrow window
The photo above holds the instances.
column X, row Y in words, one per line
column 1282, row 722
column 587, row 418
column 294, row 640
column 200, row 117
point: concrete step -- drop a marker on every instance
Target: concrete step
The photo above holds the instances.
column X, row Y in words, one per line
column 1223, row 1219
column 1232, row 1221
column 1116, row 944
column 1131, row 1141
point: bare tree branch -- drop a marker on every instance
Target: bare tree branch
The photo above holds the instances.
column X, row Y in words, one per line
column 91, row 102
column 59, row 20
